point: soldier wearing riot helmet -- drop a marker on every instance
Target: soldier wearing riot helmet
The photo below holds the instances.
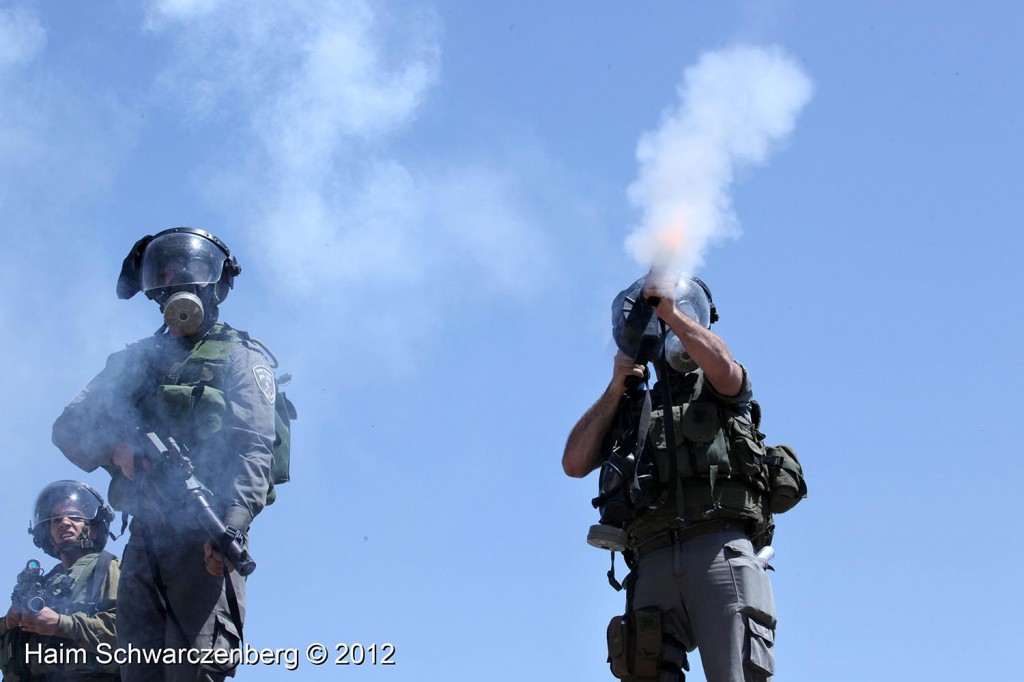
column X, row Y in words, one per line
column 686, row 499
column 74, row 605
column 189, row 272
column 210, row 389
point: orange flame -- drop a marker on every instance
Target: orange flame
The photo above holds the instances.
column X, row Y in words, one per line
column 670, row 240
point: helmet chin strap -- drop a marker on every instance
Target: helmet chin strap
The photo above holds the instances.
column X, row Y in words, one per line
column 83, row 543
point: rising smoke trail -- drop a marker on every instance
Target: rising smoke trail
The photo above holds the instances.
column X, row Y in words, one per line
column 736, row 104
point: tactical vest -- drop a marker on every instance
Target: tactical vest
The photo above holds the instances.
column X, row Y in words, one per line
column 190, row 398
column 719, row 463
column 77, row 591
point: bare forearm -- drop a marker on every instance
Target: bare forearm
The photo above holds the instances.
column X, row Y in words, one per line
column 710, row 353
column 583, row 448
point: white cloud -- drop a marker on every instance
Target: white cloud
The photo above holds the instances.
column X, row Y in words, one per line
column 180, row 9
column 21, row 37
column 318, row 94
column 735, row 105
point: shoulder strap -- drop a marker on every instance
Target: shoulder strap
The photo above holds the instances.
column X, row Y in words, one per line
column 668, row 419
column 99, row 574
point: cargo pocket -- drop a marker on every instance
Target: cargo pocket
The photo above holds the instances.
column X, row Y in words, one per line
column 787, row 478
column 760, row 647
column 753, row 587
column 225, row 639
column 619, row 646
column 746, row 446
column 175, row 403
column 701, row 425
column 209, row 412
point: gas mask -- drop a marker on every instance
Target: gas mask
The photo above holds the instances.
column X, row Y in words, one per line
column 186, row 270
column 624, row 486
column 184, row 311
column 693, row 300
column 634, row 325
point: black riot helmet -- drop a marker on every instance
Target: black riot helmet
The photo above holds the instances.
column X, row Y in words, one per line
column 175, row 257
column 188, row 271
column 70, row 498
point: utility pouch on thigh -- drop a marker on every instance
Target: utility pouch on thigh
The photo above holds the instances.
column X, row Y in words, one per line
column 619, row 645
column 648, row 642
column 760, row 648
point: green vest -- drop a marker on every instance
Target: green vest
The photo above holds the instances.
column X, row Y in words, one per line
column 719, row 463
column 76, row 591
column 190, row 398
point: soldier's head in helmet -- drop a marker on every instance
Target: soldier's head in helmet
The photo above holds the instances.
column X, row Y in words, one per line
column 635, row 325
column 187, row 271
column 70, row 520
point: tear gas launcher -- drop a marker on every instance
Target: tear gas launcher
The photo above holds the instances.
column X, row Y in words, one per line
column 171, row 479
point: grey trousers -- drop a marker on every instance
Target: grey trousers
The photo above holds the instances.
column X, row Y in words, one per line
column 197, row 599
column 713, row 596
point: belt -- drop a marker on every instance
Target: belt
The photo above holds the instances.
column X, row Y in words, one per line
column 677, row 535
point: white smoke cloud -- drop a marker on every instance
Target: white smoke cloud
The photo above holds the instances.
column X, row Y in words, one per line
column 60, row 139
column 21, row 37
column 180, row 9
column 307, row 74
column 735, row 106
column 322, row 90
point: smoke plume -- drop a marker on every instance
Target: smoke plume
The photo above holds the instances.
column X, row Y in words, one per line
column 735, row 106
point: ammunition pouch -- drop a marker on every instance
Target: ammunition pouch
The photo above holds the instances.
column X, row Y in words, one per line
column 203, row 407
column 746, row 444
column 619, row 646
column 725, row 469
column 786, row 477
column 719, row 463
column 634, row 644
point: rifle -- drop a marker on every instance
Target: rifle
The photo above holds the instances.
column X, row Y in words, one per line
column 172, row 479
column 28, row 591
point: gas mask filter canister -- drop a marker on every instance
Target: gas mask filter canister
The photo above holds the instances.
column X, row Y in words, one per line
column 183, row 313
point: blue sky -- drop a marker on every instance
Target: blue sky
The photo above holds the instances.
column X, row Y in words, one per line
column 430, row 202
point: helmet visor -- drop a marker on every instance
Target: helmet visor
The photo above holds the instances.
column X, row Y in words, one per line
column 65, row 498
column 181, row 258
